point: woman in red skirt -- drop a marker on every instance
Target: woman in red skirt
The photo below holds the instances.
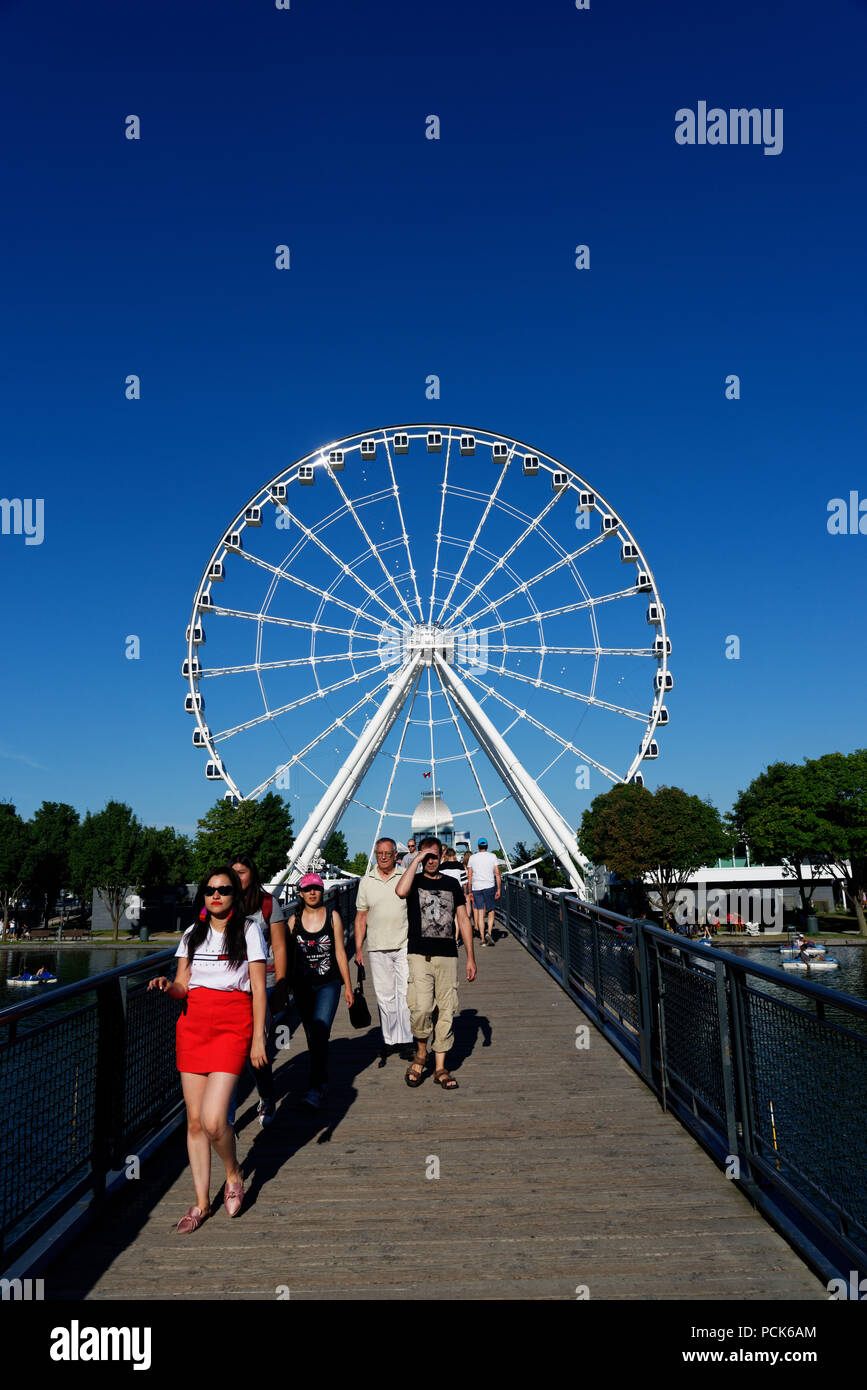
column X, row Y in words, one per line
column 221, row 974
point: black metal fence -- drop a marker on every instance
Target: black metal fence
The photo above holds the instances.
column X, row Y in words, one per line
column 769, row 1074
column 87, row 1076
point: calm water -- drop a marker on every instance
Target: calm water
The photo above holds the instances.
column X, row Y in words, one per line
column 69, row 964
column 851, row 978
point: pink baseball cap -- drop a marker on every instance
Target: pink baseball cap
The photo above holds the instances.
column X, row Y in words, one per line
column 310, row 881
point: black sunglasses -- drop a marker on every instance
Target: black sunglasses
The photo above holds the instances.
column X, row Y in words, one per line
column 225, row 889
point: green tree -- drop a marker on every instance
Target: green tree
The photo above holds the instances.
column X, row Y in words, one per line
column 657, row 838
column 838, row 784
column 108, row 856
column 335, row 850
column 15, row 838
column 780, row 817
column 166, row 857
column 52, row 831
column 262, row 829
column 358, row 864
column 549, row 871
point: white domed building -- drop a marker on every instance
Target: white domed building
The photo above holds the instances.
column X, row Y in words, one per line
column 433, row 817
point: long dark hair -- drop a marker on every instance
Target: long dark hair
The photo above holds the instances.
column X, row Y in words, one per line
column 255, row 894
column 235, row 942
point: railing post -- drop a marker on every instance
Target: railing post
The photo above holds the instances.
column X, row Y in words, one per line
column 641, row 954
column 110, row 1072
column 726, row 1049
column 743, row 1112
column 597, row 970
column 564, row 927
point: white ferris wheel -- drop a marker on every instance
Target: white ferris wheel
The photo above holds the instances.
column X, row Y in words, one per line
column 428, row 602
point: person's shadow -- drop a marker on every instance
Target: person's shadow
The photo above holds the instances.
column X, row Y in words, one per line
column 294, row 1123
column 468, row 1025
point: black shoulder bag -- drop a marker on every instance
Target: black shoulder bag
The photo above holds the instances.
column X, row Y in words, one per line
column 359, row 1013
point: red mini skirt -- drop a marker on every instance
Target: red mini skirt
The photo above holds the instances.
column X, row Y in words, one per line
column 216, row 1032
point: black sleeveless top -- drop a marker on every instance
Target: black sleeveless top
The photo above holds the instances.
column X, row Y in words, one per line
column 315, row 954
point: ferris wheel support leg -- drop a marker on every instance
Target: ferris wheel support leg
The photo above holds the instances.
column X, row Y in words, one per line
column 544, row 818
column 337, row 796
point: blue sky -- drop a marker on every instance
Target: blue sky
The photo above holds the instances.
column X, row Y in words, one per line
column 410, row 257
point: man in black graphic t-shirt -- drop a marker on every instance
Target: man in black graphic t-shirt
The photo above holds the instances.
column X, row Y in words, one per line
column 434, row 903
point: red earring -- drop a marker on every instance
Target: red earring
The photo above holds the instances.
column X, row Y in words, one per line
column 203, row 914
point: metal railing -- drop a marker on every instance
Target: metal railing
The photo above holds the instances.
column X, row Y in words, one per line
column 81, row 1088
column 768, row 1073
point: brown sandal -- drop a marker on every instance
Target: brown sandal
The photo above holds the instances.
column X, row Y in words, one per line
column 444, row 1079
column 413, row 1077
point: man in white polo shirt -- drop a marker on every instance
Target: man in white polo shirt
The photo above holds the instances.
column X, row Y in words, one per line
column 484, row 885
column 380, row 915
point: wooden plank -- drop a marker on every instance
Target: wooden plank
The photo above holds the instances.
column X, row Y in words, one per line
column 557, row 1168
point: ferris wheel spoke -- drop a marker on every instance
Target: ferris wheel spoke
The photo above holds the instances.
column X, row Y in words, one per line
column 257, row 666
column 293, row 704
column 433, row 765
column 577, row 607
column 529, row 530
column 567, row 559
column 303, row 623
column 543, row 729
column 295, row 579
column 443, row 491
column 338, row 723
column 470, row 548
column 345, row 569
column 403, row 530
column 573, row 694
column 469, row 758
column 395, row 763
column 347, row 501
column 543, row 649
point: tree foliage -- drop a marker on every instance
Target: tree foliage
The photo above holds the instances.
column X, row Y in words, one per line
column 662, row 836
column 262, row 829
column 15, row 841
column 335, row 850
column 549, row 871
column 52, row 832
column 167, row 857
column 108, row 856
column 811, row 818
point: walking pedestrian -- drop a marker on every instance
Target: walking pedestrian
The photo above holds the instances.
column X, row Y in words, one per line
column 266, row 911
column 319, row 966
column 450, row 864
column 221, row 975
column 410, row 853
column 484, row 885
column 380, row 916
column 434, row 902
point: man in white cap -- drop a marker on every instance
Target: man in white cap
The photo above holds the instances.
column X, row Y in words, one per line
column 483, row 889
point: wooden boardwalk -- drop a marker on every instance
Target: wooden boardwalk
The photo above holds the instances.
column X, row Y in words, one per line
column 557, row 1169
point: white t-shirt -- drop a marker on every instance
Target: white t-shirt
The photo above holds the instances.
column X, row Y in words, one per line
column 211, row 970
column 265, row 928
column 483, row 864
column 457, row 871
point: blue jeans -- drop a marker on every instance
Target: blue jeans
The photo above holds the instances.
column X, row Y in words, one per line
column 317, row 1008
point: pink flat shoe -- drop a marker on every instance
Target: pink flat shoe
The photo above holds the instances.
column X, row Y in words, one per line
column 233, row 1197
column 192, row 1220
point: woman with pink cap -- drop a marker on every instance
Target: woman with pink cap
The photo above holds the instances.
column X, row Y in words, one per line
column 320, row 964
